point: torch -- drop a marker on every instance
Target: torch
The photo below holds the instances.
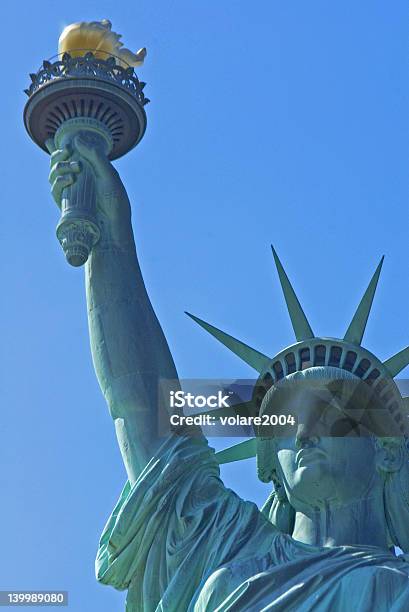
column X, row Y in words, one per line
column 89, row 90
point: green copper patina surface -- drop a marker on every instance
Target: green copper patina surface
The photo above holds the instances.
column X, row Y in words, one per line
column 179, row 540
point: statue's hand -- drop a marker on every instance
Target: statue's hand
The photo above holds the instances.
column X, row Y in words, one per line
column 113, row 209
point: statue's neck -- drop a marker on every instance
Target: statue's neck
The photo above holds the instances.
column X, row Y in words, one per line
column 357, row 523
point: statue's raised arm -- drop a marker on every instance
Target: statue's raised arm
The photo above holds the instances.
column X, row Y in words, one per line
column 129, row 349
column 180, row 487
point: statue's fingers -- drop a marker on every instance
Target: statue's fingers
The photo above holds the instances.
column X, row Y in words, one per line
column 63, row 167
column 59, row 185
column 60, row 155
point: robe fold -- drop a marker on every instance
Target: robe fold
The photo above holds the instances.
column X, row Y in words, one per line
column 180, row 541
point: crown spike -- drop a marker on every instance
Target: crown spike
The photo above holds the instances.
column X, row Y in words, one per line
column 302, row 328
column 395, row 364
column 254, row 358
column 238, row 452
column 356, row 329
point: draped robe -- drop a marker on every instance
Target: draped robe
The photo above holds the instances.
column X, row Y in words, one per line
column 180, row 541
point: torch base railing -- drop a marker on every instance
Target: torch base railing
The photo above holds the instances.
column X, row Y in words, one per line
column 86, row 87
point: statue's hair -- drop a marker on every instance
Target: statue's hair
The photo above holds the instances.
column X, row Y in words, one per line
column 396, row 480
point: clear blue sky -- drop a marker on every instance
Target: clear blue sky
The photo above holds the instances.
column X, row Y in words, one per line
column 270, row 121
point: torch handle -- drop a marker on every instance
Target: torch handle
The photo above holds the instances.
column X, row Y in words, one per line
column 77, row 229
column 80, row 197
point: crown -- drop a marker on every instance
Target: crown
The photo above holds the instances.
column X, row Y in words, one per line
column 312, row 351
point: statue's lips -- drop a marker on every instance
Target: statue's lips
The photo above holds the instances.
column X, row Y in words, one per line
column 309, row 455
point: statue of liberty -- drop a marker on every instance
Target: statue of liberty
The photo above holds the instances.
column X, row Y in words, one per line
column 178, row 540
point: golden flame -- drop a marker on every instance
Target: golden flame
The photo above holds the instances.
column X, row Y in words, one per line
column 97, row 36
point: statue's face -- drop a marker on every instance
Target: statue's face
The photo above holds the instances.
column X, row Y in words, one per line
column 316, row 468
